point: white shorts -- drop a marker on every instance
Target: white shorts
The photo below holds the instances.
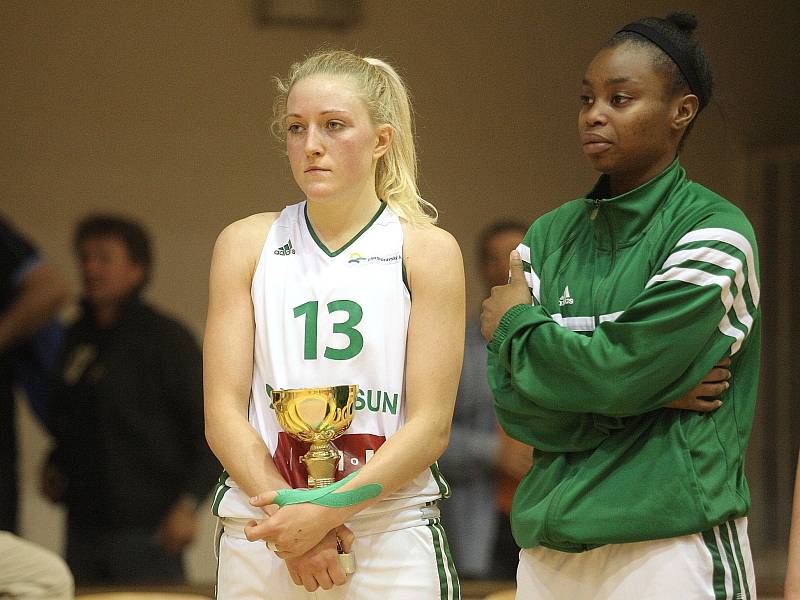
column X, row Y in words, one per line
column 713, row 565
column 413, row 563
column 29, row 571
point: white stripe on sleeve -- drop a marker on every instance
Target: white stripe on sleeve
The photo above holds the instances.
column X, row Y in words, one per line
column 531, row 277
column 574, row 323
column 524, row 253
column 726, row 261
column 735, row 239
column 702, row 278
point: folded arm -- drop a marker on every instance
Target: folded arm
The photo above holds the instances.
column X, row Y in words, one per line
column 697, row 309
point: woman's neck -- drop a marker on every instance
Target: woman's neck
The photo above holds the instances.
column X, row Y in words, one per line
column 336, row 221
column 621, row 183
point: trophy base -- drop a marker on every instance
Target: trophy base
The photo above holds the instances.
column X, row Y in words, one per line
column 321, row 482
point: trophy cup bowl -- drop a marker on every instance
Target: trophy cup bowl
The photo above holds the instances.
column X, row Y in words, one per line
column 316, row 416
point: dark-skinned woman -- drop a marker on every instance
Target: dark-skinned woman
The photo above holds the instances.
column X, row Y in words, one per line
column 625, row 349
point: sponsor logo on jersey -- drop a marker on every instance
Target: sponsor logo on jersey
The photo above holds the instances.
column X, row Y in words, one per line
column 565, row 298
column 355, row 449
column 377, row 401
column 286, row 249
column 371, row 400
column 357, row 258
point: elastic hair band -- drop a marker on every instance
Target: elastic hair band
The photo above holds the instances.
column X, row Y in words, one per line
column 681, row 59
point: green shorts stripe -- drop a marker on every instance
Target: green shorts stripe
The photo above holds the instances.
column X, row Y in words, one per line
column 217, row 543
column 451, row 565
column 725, row 535
column 449, row 588
column 718, row 577
column 740, row 559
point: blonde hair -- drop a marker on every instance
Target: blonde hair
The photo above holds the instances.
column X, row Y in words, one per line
column 388, row 102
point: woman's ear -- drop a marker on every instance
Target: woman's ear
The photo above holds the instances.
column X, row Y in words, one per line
column 685, row 110
column 383, row 140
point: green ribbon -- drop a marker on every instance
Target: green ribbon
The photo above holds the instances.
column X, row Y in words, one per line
column 328, row 496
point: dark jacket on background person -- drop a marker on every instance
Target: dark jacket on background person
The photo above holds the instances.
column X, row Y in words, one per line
column 127, row 417
column 16, row 257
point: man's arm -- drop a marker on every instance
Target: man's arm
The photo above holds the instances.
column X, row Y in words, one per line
column 181, row 367
column 474, row 440
column 42, row 292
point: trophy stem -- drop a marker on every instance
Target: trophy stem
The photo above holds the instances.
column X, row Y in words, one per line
column 320, row 463
column 318, row 415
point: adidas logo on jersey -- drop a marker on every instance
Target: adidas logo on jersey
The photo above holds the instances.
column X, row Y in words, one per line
column 286, row 249
column 565, row 298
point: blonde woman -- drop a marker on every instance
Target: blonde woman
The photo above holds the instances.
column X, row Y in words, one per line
column 321, row 294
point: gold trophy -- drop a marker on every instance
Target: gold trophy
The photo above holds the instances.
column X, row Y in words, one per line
column 318, row 416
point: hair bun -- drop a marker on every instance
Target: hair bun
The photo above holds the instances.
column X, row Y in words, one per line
column 684, row 21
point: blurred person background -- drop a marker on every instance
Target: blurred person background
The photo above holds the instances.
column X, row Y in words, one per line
column 130, row 461
column 31, row 294
column 105, row 103
column 482, row 464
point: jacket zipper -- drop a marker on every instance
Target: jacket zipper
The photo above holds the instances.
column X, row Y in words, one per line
column 610, row 223
column 595, row 210
column 597, row 203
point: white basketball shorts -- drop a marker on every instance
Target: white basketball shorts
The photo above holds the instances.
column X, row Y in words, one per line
column 412, row 563
column 713, row 565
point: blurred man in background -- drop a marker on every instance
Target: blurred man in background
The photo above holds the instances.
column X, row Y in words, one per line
column 31, row 293
column 482, row 464
column 130, row 460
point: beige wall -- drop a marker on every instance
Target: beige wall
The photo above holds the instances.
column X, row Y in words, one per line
column 160, row 110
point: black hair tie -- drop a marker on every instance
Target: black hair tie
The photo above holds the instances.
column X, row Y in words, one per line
column 681, row 58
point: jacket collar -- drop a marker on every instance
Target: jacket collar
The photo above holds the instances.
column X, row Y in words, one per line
column 625, row 217
column 129, row 307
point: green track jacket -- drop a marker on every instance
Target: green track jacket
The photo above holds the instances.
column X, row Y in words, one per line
column 635, row 298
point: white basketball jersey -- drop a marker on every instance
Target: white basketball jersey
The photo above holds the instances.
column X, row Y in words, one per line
column 331, row 318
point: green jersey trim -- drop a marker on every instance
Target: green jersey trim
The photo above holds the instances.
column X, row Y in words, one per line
column 324, row 248
column 405, row 278
column 219, row 491
column 444, row 487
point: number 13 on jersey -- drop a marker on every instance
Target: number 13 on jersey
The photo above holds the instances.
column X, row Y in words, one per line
column 309, row 311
